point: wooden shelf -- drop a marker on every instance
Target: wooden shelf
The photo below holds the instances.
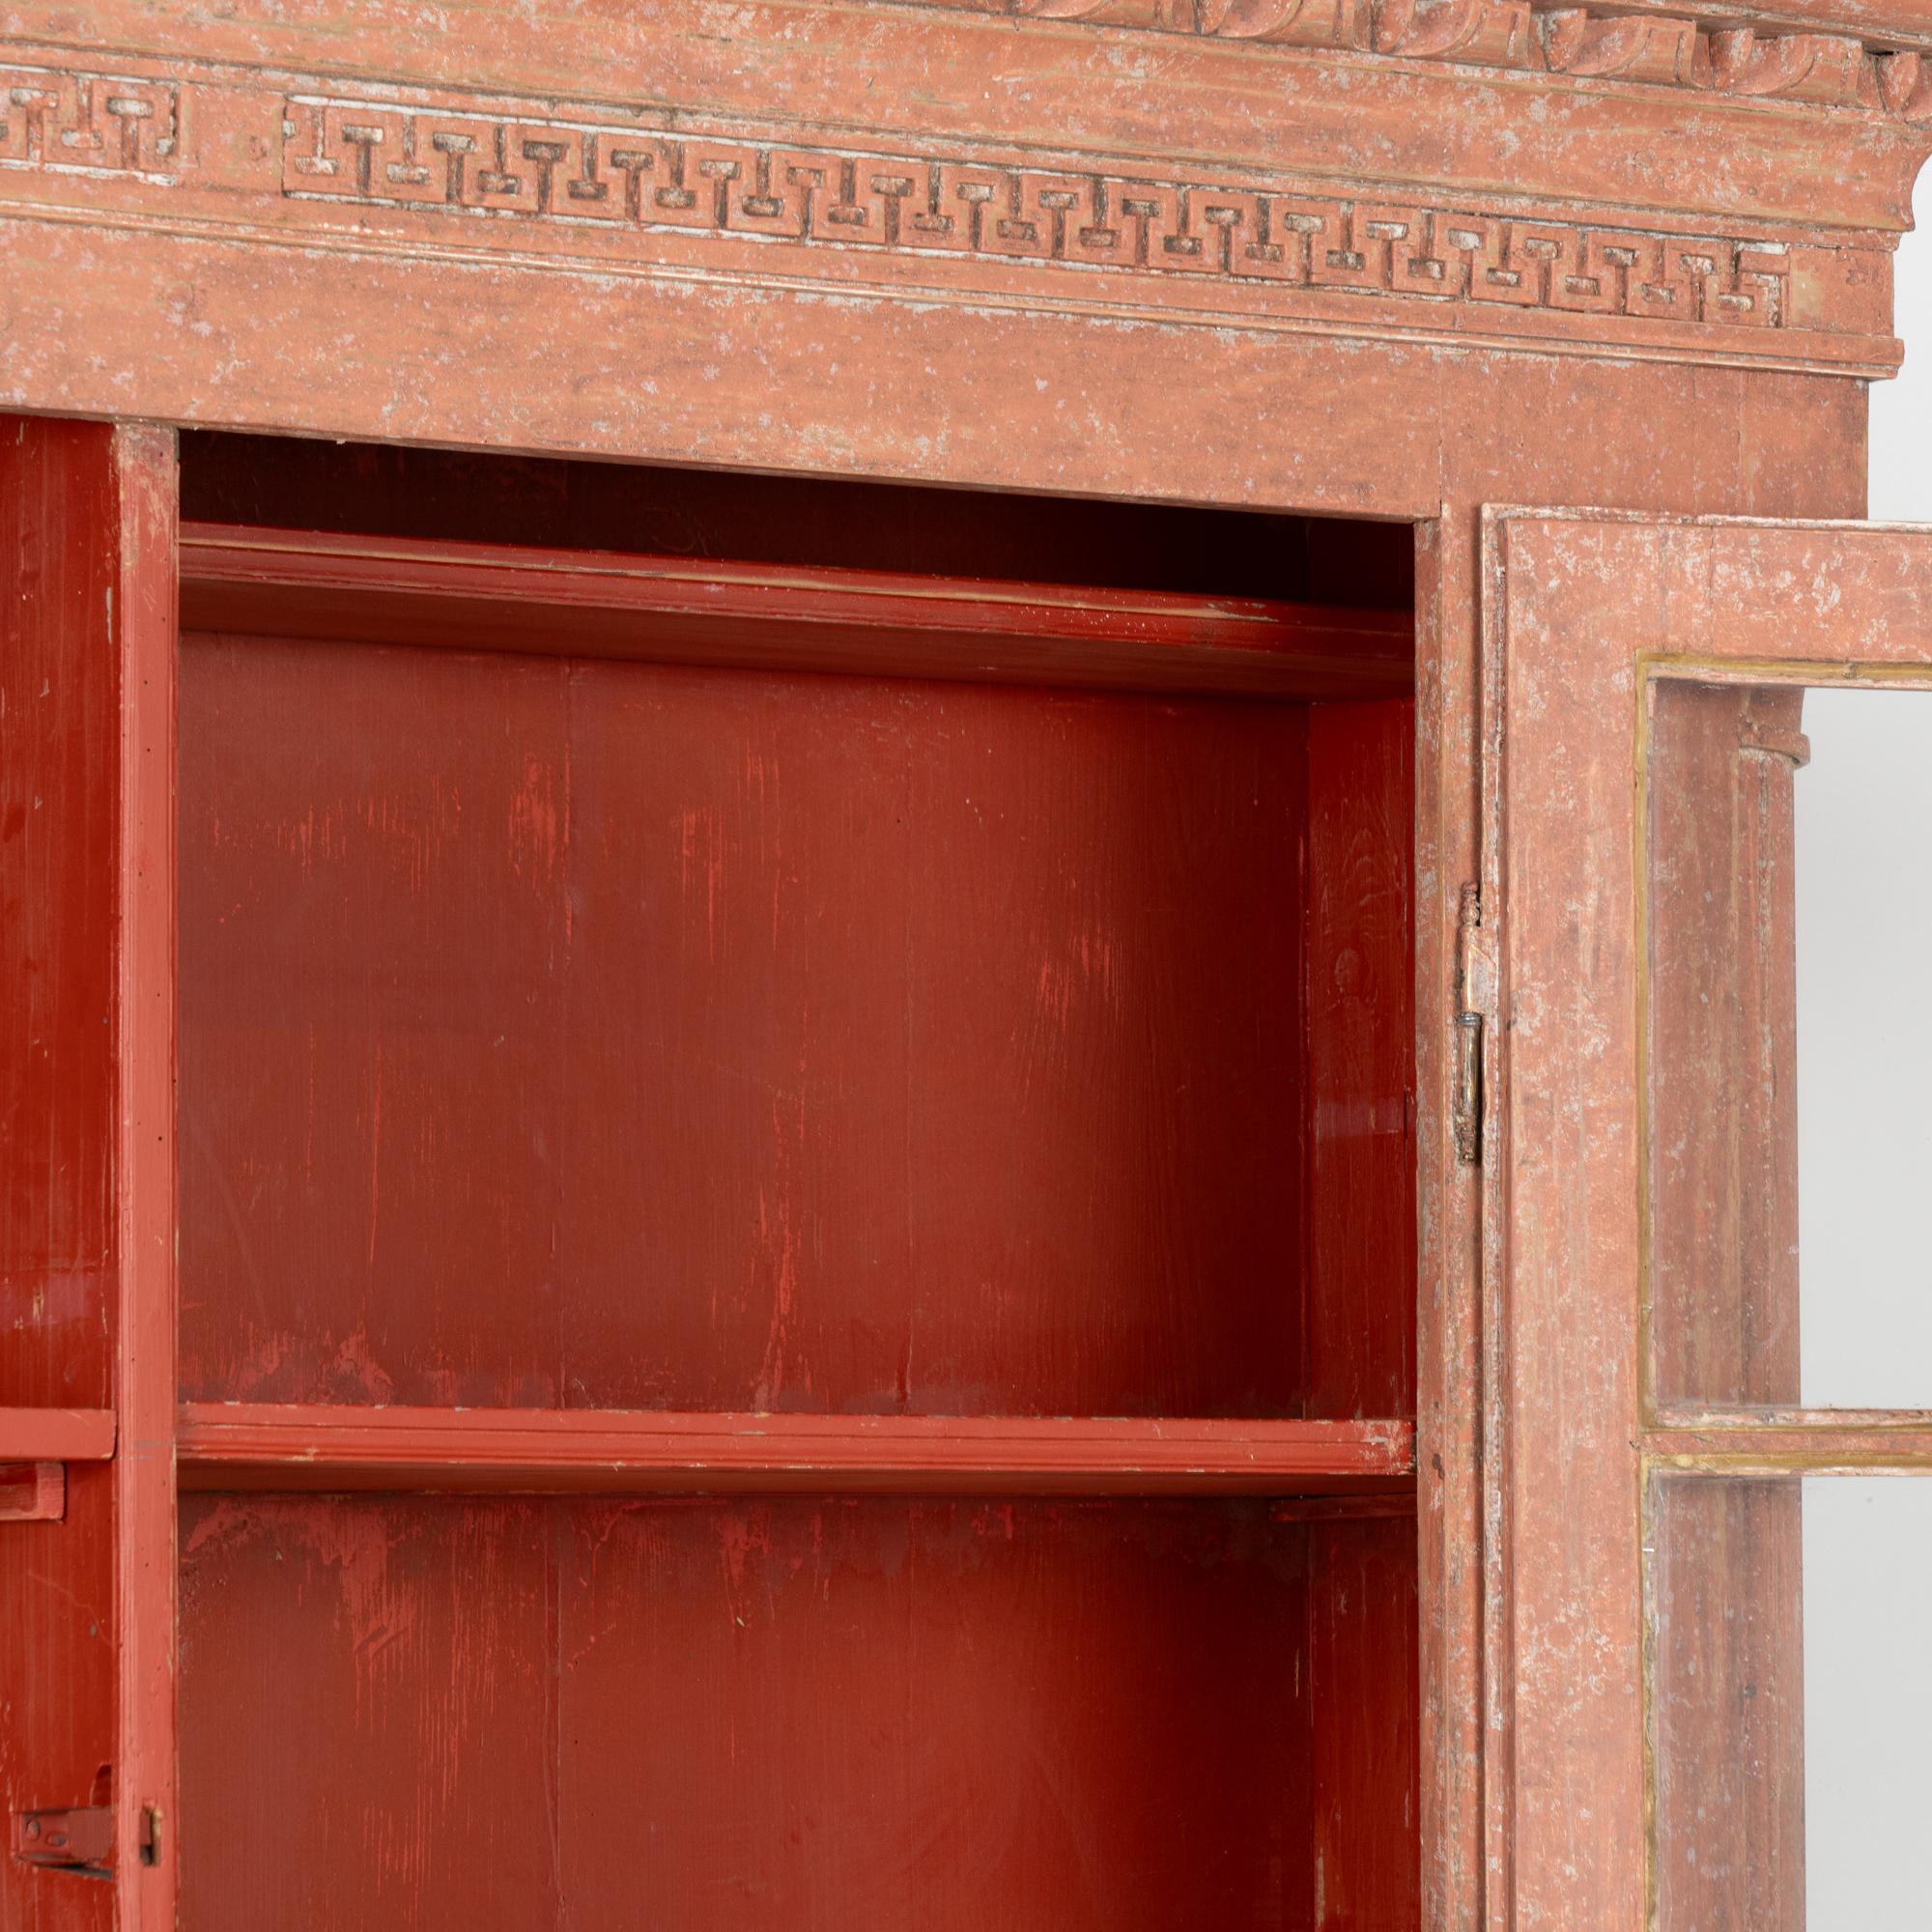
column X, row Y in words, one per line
column 320, row 1446
column 491, row 597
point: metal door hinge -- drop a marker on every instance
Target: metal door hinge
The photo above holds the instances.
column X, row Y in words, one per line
column 1475, row 1006
column 81, row 1838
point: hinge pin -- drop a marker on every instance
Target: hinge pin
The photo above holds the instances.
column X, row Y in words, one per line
column 1475, row 1004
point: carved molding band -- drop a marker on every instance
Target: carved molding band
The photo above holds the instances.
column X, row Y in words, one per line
column 90, row 122
column 636, row 180
column 226, row 156
column 1833, row 69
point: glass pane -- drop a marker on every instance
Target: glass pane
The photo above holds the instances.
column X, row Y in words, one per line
column 1790, row 1040
column 1791, row 1701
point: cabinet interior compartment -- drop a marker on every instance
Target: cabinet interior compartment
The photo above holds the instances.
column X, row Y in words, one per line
column 678, row 959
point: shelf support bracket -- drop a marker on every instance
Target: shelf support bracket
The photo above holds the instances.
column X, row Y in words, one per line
column 33, row 1491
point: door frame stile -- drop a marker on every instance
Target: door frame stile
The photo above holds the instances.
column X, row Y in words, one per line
column 143, row 632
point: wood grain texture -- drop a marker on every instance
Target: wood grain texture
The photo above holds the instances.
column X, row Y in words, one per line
column 806, row 1712
column 58, row 779
column 735, row 1041
column 56, row 1435
column 680, row 610
column 1361, row 1082
column 87, row 1319
column 1418, row 432
column 1577, row 604
column 1367, row 1774
column 1202, row 553
column 1727, row 1692
column 146, row 1196
column 330, row 1446
column 1722, row 1050
column 58, row 792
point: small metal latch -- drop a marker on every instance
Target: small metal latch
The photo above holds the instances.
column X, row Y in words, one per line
column 1475, row 1004
column 76, row 1840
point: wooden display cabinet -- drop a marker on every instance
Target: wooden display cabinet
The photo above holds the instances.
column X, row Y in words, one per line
column 832, row 1029
column 953, row 1136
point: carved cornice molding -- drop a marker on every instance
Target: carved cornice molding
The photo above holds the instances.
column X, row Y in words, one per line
column 1654, row 48
column 452, row 176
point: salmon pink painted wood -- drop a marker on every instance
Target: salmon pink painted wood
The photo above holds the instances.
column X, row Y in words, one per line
column 58, row 1434
column 1582, row 611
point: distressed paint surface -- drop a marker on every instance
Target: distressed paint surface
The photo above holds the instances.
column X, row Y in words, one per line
column 86, row 1182
column 136, row 291
column 1786, row 445
column 805, row 1712
column 330, row 1446
column 1361, row 1059
column 1577, row 600
column 58, row 800
column 683, row 1039
column 1037, row 166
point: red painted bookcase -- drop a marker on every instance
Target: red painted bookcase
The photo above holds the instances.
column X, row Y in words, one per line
column 794, row 1180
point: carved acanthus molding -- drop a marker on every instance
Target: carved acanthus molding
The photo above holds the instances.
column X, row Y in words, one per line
column 1588, row 42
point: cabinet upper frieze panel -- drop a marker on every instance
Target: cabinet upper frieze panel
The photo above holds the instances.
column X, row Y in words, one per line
column 649, row 187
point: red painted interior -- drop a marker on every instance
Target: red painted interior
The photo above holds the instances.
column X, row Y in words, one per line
column 58, row 795
column 728, row 1716
column 59, row 859
column 634, row 1050
column 686, row 1039
column 299, row 483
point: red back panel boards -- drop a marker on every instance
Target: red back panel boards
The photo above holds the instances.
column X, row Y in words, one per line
column 724, row 1715
column 568, row 1029
column 633, row 1036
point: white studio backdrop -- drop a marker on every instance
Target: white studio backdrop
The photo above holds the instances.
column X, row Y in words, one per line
column 1864, row 1030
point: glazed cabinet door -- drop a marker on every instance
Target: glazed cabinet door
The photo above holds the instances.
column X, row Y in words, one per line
column 1698, row 960
column 87, row 1499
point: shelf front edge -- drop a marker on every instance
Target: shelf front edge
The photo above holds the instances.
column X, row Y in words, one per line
column 320, row 1446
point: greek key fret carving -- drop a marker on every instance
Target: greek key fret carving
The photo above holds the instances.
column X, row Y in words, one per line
column 639, row 180
column 50, row 119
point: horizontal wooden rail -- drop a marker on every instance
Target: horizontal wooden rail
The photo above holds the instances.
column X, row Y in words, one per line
column 56, row 1435
column 488, row 597
column 317, row 1446
column 1824, row 1442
